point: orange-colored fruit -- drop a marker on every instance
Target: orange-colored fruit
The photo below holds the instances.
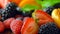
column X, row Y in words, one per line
column 15, row 1
column 31, row 2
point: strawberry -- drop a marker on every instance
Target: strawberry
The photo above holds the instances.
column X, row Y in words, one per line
column 16, row 26
column 8, row 22
column 29, row 26
column 42, row 17
column 1, row 27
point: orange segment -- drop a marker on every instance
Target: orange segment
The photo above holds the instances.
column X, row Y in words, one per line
column 31, row 2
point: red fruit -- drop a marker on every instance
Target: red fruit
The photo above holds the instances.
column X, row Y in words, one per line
column 1, row 27
column 3, row 3
column 8, row 22
column 16, row 26
column 15, row 1
column 29, row 26
column 42, row 17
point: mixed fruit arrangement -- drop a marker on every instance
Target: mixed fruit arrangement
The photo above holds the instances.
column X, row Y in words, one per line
column 30, row 16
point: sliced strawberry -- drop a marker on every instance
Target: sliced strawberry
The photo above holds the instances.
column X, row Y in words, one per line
column 42, row 17
column 29, row 26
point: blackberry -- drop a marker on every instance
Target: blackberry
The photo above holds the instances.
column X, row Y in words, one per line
column 12, row 7
column 57, row 5
column 49, row 28
column 19, row 11
column 9, row 11
column 1, row 14
column 49, row 10
column 59, row 31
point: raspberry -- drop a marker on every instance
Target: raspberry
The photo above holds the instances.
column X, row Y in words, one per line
column 16, row 26
column 8, row 22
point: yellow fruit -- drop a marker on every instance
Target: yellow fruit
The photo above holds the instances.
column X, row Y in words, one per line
column 31, row 2
column 56, row 16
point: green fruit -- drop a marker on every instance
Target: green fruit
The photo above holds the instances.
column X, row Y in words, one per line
column 27, row 5
column 47, row 3
column 30, row 7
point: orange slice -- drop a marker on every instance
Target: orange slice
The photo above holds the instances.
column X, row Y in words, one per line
column 31, row 2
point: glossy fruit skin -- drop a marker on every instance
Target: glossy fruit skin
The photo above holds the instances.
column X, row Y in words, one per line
column 1, row 26
column 42, row 17
column 48, row 28
column 7, row 22
column 56, row 16
column 29, row 26
column 16, row 26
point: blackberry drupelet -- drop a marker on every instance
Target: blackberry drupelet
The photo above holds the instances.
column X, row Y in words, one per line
column 1, row 14
column 13, row 8
column 19, row 11
column 49, row 10
column 49, row 28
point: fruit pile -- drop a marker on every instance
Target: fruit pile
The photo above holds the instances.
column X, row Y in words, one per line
column 28, row 17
